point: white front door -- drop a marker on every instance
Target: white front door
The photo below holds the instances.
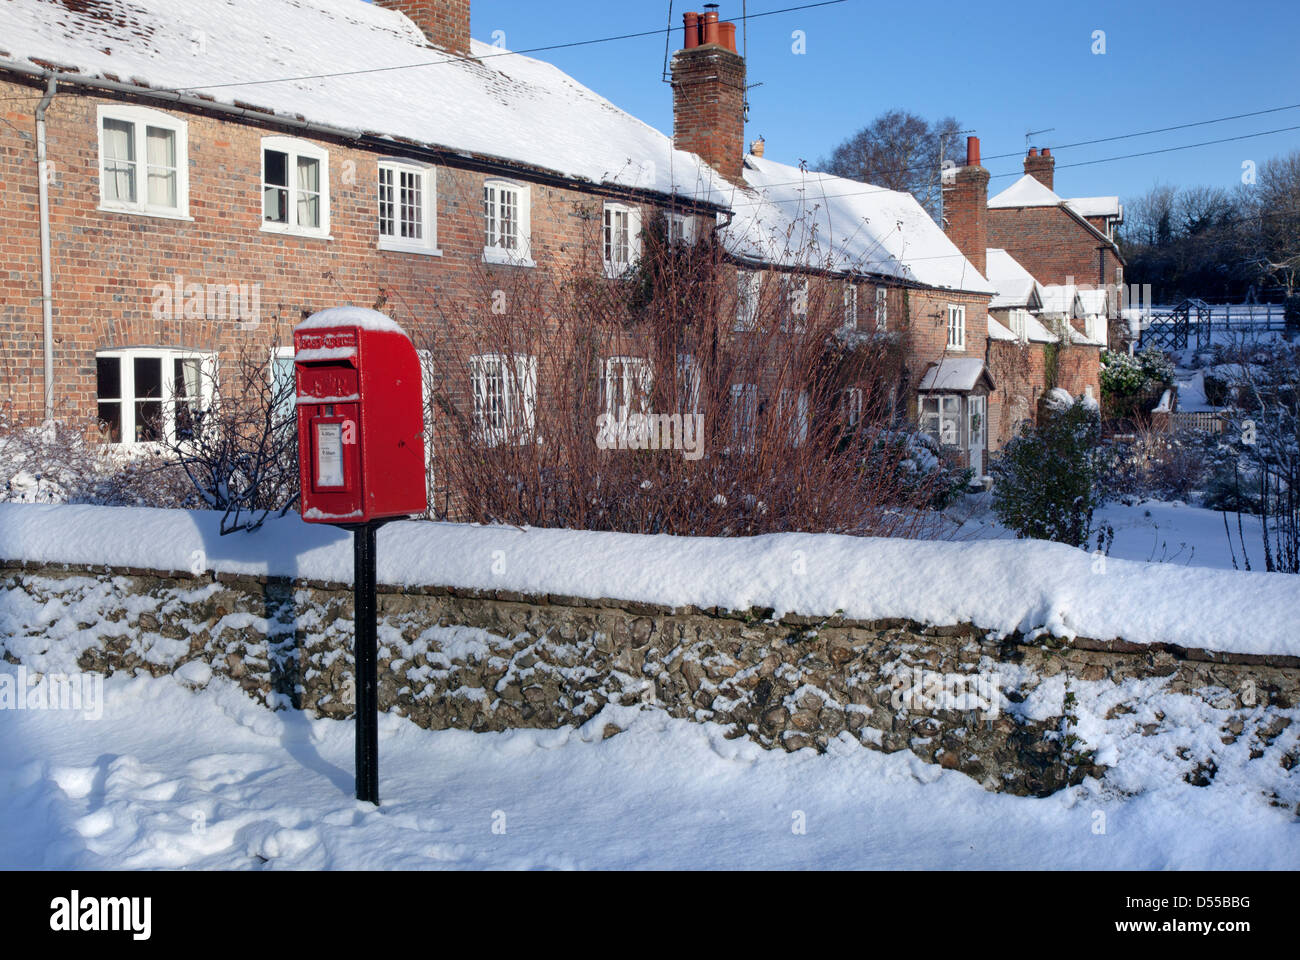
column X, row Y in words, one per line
column 977, row 411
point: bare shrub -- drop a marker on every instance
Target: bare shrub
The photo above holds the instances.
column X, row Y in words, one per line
column 797, row 420
column 1155, row 464
column 241, row 452
column 1261, row 472
column 53, row 462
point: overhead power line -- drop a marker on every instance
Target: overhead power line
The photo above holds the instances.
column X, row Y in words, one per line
column 658, row 31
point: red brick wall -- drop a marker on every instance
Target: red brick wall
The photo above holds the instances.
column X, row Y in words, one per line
column 709, row 106
column 444, row 22
column 1052, row 245
column 1078, row 368
column 1019, row 371
column 106, row 265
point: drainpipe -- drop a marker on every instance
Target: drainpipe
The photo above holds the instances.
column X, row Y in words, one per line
column 47, row 280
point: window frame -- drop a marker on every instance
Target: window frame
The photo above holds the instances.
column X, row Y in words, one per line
column 615, row 268
column 1019, row 320
column 167, row 399
column 850, row 306
column 744, row 413
column 690, row 376
column 522, row 254
column 141, row 118
column 749, row 292
column 685, row 224
column 518, row 397
column 957, row 313
column 295, row 148
column 278, row 354
column 428, row 174
column 637, row 382
column 939, row 414
column 853, row 405
column 798, row 404
column 791, row 320
column 882, row 308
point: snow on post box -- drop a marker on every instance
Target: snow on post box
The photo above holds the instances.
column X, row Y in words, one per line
column 360, row 418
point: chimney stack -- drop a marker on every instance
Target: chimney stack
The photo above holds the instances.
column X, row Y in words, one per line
column 757, row 145
column 444, row 23
column 708, row 78
column 1041, row 166
column 965, row 208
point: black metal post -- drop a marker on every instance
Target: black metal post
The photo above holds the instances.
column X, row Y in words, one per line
column 365, row 655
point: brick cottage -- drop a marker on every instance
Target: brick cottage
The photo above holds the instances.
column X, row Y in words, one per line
column 176, row 191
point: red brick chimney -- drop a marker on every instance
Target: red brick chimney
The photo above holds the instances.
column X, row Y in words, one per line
column 709, row 94
column 445, row 23
column 1041, row 166
column 965, row 207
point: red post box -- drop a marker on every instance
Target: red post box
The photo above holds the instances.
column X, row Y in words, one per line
column 360, row 418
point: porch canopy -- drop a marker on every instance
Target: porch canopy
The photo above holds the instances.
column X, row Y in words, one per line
column 955, row 375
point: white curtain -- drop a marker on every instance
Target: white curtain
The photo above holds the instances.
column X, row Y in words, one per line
column 119, row 161
column 308, row 192
column 160, row 155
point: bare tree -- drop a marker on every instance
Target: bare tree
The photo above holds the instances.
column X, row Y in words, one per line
column 1273, row 204
column 901, row 151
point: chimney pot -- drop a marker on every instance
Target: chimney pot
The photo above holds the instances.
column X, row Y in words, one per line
column 972, row 151
column 711, row 27
column 692, row 31
column 1033, row 151
column 728, row 35
column 1047, row 151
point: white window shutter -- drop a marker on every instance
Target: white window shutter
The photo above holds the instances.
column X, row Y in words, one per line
column 526, row 384
column 634, row 234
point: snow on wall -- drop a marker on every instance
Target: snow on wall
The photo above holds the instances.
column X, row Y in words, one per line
column 1001, row 586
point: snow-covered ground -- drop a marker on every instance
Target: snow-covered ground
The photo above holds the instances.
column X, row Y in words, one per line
column 172, row 778
column 1154, row 531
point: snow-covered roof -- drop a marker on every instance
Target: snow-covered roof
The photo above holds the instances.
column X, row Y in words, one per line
column 1061, row 299
column 502, row 106
column 998, row 332
column 810, row 219
column 1096, row 206
column 499, row 105
column 1095, row 301
column 1025, row 192
column 1015, row 285
column 954, row 373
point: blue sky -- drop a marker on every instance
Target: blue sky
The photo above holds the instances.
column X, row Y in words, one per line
column 1000, row 67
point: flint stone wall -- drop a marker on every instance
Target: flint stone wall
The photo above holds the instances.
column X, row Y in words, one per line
column 493, row 660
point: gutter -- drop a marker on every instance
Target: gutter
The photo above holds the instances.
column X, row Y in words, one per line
column 47, row 273
column 370, row 141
